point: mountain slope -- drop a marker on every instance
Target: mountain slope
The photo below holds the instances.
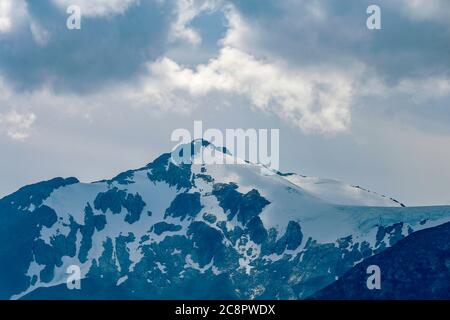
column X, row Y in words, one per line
column 336, row 192
column 417, row 267
column 159, row 231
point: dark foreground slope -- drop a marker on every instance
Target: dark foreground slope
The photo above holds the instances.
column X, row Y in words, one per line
column 417, row 267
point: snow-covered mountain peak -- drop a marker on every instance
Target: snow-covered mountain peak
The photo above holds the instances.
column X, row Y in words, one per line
column 204, row 154
column 153, row 231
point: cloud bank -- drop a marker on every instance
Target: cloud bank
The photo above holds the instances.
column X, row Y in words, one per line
column 308, row 67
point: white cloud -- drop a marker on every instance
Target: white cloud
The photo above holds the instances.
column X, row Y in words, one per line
column 12, row 13
column 17, row 125
column 313, row 100
column 40, row 35
column 97, row 8
column 238, row 31
column 418, row 89
column 434, row 10
column 186, row 11
column 425, row 88
column 5, row 12
column 14, row 123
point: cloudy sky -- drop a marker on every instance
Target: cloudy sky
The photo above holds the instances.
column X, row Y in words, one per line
column 368, row 107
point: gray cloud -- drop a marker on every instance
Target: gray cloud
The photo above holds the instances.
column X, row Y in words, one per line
column 106, row 49
column 333, row 32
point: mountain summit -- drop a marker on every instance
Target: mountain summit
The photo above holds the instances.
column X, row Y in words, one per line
column 174, row 230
